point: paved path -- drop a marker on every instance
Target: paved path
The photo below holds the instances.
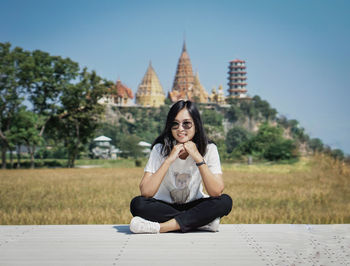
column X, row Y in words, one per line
column 278, row 244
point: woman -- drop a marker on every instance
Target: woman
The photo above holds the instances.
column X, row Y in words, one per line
column 172, row 195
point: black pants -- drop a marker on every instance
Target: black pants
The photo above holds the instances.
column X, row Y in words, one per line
column 189, row 215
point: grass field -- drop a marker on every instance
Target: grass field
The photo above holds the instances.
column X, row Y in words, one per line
column 313, row 191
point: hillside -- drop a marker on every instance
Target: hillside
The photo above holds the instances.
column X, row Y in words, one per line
column 234, row 127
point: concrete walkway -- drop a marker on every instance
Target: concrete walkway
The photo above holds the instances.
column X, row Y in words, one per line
column 248, row 244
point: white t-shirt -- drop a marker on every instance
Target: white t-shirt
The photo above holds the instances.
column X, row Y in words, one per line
column 183, row 182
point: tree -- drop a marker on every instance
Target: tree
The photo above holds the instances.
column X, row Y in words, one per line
column 23, row 131
column 316, row 145
column 265, row 136
column 249, row 110
column 234, row 114
column 45, row 77
column 212, row 118
column 338, row 154
column 270, row 144
column 283, row 121
column 283, row 149
column 236, row 137
column 130, row 147
column 263, row 107
column 79, row 114
column 297, row 131
column 11, row 93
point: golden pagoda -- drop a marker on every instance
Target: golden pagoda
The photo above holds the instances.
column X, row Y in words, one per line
column 221, row 96
column 198, row 92
column 213, row 95
column 186, row 86
column 150, row 91
column 217, row 97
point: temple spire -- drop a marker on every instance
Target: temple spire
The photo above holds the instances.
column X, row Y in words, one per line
column 184, row 47
column 183, row 77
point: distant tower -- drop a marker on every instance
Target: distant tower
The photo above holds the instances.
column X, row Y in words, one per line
column 237, row 79
column 186, row 86
column 150, row 91
column 184, row 78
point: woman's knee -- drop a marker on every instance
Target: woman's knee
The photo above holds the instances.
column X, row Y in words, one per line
column 136, row 205
column 226, row 203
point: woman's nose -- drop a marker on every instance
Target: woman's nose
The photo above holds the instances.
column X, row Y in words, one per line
column 181, row 125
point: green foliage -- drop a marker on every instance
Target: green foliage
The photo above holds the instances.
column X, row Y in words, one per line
column 338, row 154
column 213, row 123
column 316, row 145
column 236, row 137
column 283, row 149
column 269, row 144
column 235, row 113
column 79, row 114
column 60, row 104
column 266, row 136
column 254, row 110
column 11, row 93
column 212, row 118
column 145, row 123
column 221, row 145
column 130, row 147
column 24, row 130
column 57, row 151
column 263, row 107
column 106, row 129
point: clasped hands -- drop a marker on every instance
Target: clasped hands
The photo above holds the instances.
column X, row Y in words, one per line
column 183, row 149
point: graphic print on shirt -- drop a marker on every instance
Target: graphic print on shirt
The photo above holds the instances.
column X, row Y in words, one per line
column 181, row 192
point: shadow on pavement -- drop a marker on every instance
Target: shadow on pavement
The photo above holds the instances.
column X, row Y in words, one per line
column 123, row 229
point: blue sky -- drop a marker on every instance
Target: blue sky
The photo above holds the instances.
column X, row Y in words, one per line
column 297, row 52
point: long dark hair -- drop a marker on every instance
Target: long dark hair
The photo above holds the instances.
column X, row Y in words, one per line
column 166, row 137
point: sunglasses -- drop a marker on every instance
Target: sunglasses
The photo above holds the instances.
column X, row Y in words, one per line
column 185, row 125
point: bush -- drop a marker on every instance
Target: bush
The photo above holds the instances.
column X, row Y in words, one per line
column 270, row 144
column 281, row 150
column 236, row 137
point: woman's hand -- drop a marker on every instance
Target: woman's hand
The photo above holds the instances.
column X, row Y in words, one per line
column 176, row 152
column 192, row 150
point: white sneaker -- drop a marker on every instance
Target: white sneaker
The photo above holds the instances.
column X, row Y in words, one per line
column 213, row 226
column 139, row 225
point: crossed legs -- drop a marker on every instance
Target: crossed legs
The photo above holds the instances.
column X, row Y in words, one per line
column 184, row 217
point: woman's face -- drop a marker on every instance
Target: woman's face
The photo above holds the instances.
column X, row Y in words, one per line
column 183, row 128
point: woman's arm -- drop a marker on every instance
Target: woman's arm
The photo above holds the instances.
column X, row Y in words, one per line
column 150, row 182
column 213, row 183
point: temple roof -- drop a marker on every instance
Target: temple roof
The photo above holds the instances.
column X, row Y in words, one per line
column 237, row 61
column 123, row 90
column 150, row 84
column 184, row 78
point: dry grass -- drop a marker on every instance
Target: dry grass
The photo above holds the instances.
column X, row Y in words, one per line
column 312, row 191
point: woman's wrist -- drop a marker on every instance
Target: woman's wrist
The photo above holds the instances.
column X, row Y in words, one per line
column 168, row 161
column 201, row 163
column 198, row 158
